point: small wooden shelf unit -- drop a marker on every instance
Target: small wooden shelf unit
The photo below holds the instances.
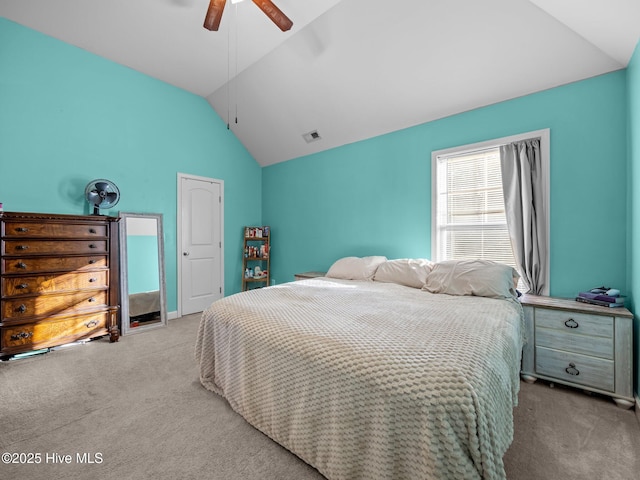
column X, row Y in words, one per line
column 256, row 253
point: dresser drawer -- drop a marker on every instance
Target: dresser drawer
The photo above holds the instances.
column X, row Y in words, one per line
column 18, row 309
column 576, row 368
column 18, row 338
column 574, row 342
column 575, row 322
column 52, row 264
column 22, row 286
column 48, row 247
column 50, row 229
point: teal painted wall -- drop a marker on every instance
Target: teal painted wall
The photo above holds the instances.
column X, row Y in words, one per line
column 374, row 196
column 68, row 117
column 633, row 82
column 367, row 198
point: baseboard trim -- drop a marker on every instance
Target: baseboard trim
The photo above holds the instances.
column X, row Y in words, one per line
column 638, row 408
column 172, row 315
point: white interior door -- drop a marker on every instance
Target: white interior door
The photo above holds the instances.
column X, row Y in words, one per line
column 200, row 254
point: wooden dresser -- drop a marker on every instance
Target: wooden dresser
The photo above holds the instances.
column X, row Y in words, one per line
column 580, row 345
column 59, row 280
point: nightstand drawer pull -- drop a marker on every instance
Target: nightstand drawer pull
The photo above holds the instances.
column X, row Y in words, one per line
column 572, row 370
column 91, row 324
column 21, row 335
column 92, row 245
column 22, row 229
column 571, row 323
column 22, row 247
column 92, row 230
column 22, row 308
column 22, row 286
column 93, row 280
column 21, row 265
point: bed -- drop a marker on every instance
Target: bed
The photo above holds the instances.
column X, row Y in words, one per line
column 367, row 379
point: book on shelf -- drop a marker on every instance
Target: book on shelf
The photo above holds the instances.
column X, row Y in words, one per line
column 598, row 302
column 601, row 297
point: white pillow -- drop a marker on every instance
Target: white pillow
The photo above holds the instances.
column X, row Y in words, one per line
column 481, row 278
column 411, row 272
column 355, row 268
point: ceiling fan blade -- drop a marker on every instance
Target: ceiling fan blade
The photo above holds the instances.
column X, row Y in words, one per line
column 275, row 14
column 214, row 15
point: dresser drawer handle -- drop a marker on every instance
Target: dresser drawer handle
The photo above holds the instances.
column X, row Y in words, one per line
column 91, row 299
column 93, row 280
column 91, row 324
column 22, row 229
column 21, row 265
column 22, row 247
column 21, row 335
column 571, row 323
column 92, row 245
column 572, row 370
column 22, row 308
column 92, row 261
column 22, row 286
column 92, row 230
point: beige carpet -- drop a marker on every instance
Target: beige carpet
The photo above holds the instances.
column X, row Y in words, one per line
column 137, row 410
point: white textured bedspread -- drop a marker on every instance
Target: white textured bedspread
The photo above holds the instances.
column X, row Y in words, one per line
column 369, row 380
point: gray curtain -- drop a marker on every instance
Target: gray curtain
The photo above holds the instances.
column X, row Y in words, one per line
column 523, row 187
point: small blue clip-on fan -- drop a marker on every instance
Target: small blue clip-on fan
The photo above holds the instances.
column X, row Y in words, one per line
column 101, row 193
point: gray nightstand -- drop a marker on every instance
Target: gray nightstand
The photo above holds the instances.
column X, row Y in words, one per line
column 580, row 345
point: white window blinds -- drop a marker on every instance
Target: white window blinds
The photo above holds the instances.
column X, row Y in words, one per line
column 470, row 213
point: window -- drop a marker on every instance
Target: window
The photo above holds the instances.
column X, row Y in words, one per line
column 471, row 221
column 468, row 211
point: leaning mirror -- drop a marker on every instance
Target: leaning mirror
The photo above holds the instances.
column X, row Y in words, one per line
column 143, row 303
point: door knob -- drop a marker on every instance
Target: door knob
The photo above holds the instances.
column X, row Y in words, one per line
column 186, row 254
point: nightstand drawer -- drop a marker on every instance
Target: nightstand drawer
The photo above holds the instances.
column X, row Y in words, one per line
column 575, row 322
column 576, row 368
column 601, row 347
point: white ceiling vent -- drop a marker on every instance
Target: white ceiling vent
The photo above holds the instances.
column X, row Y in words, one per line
column 312, row 136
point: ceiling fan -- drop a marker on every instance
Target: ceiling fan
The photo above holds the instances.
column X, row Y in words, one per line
column 214, row 14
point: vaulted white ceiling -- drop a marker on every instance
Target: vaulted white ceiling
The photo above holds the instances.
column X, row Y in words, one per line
column 350, row 69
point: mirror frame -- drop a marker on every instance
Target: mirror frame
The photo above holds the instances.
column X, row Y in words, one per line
column 125, row 327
